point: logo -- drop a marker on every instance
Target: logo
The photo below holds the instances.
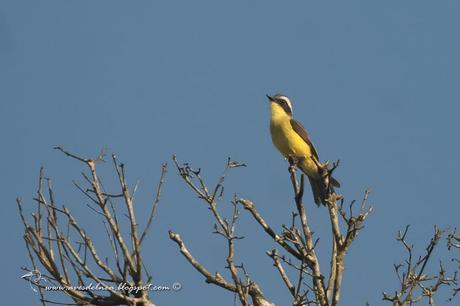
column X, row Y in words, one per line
column 34, row 277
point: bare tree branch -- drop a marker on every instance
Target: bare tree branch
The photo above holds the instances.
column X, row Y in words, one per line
column 297, row 242
column 415, row 284
column 49, row 240
column 216, row 279
column 156, row 202
column 243, row 287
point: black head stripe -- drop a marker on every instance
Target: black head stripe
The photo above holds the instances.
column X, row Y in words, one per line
column 283, row 103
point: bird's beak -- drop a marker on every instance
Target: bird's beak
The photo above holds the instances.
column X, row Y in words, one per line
column 270, row 98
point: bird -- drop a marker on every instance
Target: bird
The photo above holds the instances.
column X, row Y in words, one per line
column 293, row 142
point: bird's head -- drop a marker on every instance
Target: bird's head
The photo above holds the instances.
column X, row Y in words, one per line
column 282, row 101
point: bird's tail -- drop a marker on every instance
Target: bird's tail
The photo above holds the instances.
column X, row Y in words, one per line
column 322, row 188
column 334, row 182
column 321, row 181
column 318, row 193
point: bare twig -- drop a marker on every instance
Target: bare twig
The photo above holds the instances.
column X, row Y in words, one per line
column 156, row 202
column 242, row 287
column 415, row 284
column 49, row 242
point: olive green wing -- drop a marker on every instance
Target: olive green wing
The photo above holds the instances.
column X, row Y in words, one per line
column 300, row 130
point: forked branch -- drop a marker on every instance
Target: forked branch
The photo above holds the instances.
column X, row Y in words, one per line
column 415, row 283
column 241, row 284
column 58, row 244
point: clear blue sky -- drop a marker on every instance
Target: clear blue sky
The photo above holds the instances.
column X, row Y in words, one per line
column 376, row 83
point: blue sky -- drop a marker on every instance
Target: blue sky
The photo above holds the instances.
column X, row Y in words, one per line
column 376, row 83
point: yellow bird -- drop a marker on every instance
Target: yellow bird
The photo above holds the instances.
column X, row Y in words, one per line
column 291, row 139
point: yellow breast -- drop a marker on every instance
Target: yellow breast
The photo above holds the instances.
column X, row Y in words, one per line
column 288, row 142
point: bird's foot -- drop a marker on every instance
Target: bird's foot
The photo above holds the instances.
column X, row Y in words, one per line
column 295, row 159
column 333, row 198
